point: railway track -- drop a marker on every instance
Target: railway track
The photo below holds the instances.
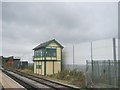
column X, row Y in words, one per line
column 49, row 83
column 26, row 83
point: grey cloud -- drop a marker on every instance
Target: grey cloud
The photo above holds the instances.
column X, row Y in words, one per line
column 0, row 27
column 28, row 24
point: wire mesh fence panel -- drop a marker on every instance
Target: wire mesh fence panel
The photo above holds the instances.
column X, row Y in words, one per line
column 99, row 72
column 102, row 71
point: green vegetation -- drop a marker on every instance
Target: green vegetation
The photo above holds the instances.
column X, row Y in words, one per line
column 71, row 77
column 28, row 70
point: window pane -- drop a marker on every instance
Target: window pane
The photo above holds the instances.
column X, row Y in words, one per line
column 39, row 53
column 38, row 66
column 51, row 52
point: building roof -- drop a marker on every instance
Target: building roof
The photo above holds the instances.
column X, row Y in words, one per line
column 43, row 45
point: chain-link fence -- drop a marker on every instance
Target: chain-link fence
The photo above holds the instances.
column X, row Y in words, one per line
column 102, row 72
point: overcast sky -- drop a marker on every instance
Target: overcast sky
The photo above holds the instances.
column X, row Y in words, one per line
column 25, row 25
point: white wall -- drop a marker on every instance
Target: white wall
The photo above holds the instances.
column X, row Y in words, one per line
column 101, row 50
column 82, row 53
column 68, row 54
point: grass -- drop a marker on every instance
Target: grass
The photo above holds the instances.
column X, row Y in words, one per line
column 28, row 70
column 70, row 77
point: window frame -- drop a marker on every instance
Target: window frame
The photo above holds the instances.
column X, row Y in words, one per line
column 51, row 52
column 38, row 66
column 39, row 53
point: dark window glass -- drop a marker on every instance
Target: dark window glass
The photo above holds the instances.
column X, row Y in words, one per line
column 38, row 66
column 39, row 53
column 51, row 52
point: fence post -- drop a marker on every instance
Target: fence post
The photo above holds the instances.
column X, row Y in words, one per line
column 73, row 58
column 86, row 73
column 119, row 73
column 115, row 74
column 92, row 70
column 109, row 72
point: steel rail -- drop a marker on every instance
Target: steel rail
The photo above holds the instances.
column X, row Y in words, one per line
column 47, row 82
